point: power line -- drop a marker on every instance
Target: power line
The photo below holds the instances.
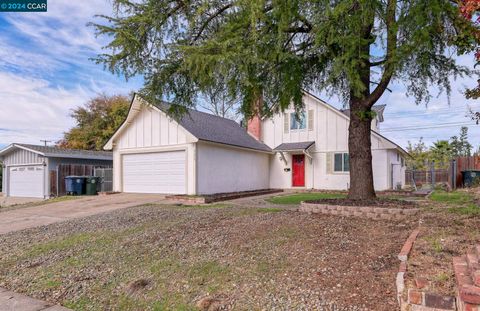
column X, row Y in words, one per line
column 440, row 125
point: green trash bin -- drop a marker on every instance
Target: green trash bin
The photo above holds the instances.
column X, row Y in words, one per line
column 471, row 178
column 92, row 184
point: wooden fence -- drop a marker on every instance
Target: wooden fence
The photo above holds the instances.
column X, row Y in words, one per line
column 57, row 178
column 426, row 176
column 444, row 175
column 465, row 163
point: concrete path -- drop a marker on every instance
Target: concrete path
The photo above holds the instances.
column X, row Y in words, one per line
column 46, row 214
column 10, row 301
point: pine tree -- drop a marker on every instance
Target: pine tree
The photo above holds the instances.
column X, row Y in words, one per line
column 270, row 50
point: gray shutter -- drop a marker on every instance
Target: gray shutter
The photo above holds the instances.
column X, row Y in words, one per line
column 286, row 122
column 310, row 120
column 329, row 156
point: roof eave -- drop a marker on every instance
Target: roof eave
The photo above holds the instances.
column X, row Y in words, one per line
column 85, row 157
column 270, row 151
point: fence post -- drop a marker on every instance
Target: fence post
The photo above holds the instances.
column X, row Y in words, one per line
column 433, row 174
column 454, row 172
column 413, row 178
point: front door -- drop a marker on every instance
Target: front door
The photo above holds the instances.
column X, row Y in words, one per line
column 298, row 170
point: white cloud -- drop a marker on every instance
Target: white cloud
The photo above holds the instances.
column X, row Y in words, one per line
column 32, row 109
column 45, row 70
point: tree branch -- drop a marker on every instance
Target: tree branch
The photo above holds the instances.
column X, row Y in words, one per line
column 389, row 61
column 378, row 63
column 213, row 16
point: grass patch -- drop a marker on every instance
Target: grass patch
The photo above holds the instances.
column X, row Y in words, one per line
column 213, row 205
column 299, row 197
column 456, row 197
column 270, row 210
column 458, row 202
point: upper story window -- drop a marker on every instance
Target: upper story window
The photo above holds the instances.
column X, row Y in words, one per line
column 302, row 121
column 341, row 162
column 298, row 121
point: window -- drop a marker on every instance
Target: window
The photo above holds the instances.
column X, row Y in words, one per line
column 341, row 162
column 298, row 122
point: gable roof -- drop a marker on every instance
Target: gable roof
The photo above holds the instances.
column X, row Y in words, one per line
column 211, row 128
column 57, row 152
column 339, row 112
column 379, row 109
column 205, row 127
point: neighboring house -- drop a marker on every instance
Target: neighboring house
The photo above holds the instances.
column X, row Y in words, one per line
column 205, row 154
column 27, row 168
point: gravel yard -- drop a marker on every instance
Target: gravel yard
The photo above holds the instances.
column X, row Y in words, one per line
column 160, row 257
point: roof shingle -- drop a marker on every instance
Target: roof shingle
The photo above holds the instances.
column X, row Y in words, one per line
column 211, row 128
column 294, row 146
column 57, row 152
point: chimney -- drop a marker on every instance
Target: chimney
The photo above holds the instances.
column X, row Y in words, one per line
column 254, row 125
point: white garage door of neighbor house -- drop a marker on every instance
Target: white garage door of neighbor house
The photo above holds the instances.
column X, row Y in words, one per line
column 26, row 181
column 162, row 172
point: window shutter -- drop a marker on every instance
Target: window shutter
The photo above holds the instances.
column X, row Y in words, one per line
column 310, row 120
column 286, row 124
column 329, row 163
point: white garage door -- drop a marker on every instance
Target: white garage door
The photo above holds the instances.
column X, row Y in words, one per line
column 26, row 181
column 162, row 172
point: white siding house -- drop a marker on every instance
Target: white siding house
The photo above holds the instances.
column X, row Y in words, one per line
column 327, row 127
column 205, row 154
column 26, row 168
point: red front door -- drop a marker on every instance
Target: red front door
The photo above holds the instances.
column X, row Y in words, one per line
column 298, row 170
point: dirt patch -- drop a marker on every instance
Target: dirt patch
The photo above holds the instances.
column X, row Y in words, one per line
column 444, row 234
column 247, row 259
column 386, row 203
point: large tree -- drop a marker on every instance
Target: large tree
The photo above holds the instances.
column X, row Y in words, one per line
column 271, row 50
column 96, row 122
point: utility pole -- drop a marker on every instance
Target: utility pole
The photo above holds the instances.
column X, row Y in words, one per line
column 45, row 142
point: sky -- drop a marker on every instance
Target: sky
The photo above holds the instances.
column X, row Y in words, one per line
column 46, row 71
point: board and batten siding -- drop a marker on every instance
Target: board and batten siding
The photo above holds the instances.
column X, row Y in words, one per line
column 22, row 157
column 152, row 128
column 228, row 169
column 330, row 129
column 330, row 133
column 151, row 131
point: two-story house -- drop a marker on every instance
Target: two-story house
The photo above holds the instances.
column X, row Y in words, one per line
column 206, row 154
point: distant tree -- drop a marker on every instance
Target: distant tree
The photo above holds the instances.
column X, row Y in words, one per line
column 419, row 155
column 461, row 147
column 96, row 122
column 218, row 101
column 441, row 153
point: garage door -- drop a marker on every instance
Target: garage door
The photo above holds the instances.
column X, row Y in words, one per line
column 162, row 172
column 26, row 181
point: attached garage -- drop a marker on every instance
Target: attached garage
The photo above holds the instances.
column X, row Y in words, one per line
column 26, row 181
column 196, row 154
column 30, row 170
column 158, row 172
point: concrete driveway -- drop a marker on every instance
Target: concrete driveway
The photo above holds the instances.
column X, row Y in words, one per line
column 11, row 201
column 46, row 214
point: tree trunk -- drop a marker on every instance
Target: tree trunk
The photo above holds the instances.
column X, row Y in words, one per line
column 360, row 152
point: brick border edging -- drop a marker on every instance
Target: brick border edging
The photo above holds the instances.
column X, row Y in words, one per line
column 402, row 269
column 220, row 197
column 467, row 277
column 418, row 299
column 358, row 211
